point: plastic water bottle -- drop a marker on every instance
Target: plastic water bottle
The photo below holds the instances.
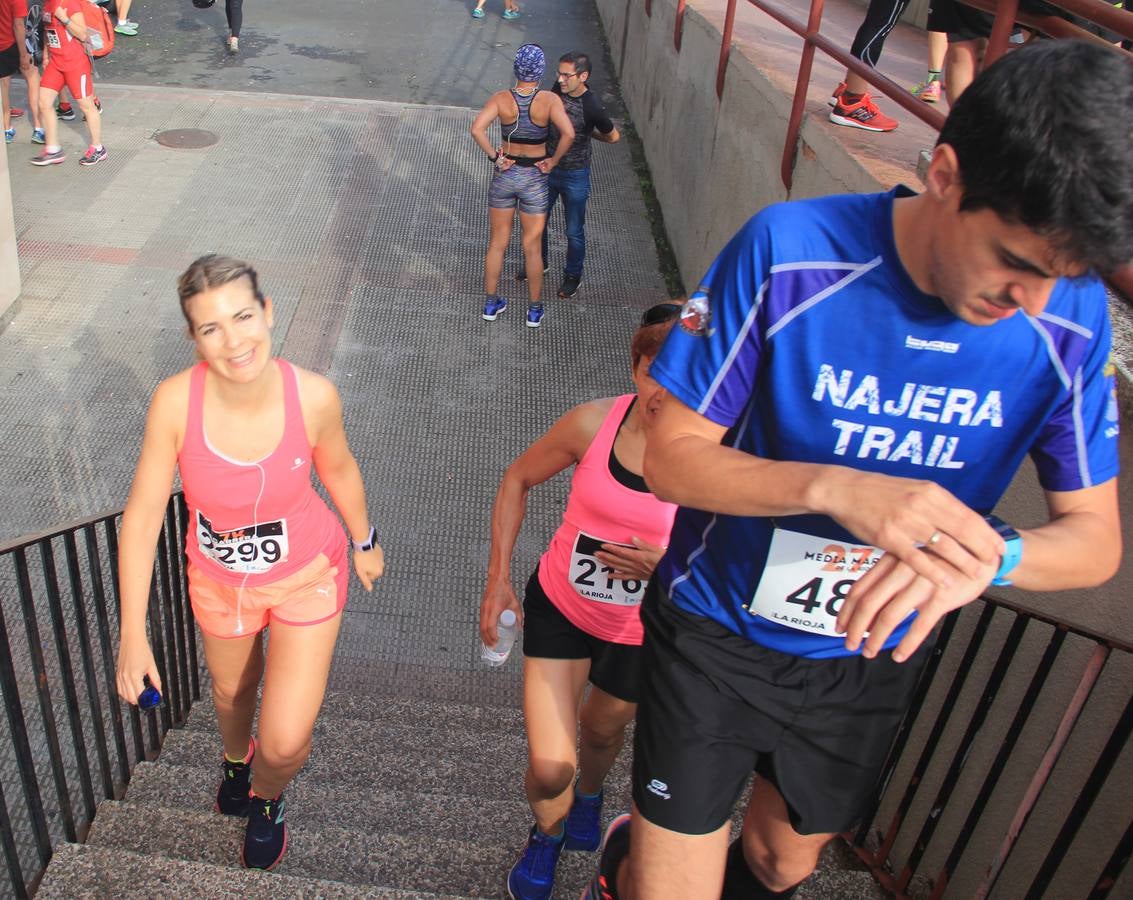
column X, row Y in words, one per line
column 506, row 630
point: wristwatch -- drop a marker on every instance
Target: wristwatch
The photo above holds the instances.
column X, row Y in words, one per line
column 1013, row 552
column 370, row 542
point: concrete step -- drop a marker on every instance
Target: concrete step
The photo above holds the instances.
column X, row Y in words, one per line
column 385, row 860
column 374, row 757
column 91, row 872
column 397, row 710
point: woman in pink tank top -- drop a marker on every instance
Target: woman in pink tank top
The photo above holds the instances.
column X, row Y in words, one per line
column 244, row 429
column 580, row 612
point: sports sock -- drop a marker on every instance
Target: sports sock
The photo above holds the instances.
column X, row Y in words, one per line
column 54, row 148
column 227, row 758
column 740, row 882
column 933, row 75
column 850, row 99
column 593, row 796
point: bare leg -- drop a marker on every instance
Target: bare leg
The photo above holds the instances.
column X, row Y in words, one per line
column 295, row 681
column 47, row 115
column 94, row 119
column 603, row 720
column 961, row 63
column 855, row 84
column 777, row 855
column 937, row 48
column 533, row 225
column 667, row 865
column 552, row 689
column 236, row 666
column 31, row 76
column 499, row 224
column 6, row 100
column 124, row 9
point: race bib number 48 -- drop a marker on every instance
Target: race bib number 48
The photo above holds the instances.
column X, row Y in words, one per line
column 250, row 550
column 807, row 578
column 592, row 580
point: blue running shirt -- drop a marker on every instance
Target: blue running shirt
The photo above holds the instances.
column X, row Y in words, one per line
column 816, row 346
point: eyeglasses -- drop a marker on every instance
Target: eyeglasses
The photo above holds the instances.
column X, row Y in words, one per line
column 662, row 312
column 567, row 75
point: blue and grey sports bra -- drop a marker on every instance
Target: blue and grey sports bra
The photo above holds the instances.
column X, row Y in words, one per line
column 523, row 130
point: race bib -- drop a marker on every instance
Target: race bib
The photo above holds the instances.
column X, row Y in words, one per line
column 250, row 550
column 52, row 39
column 807, row 578
column 592, row 580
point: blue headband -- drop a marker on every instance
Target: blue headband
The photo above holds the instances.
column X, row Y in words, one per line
column 530, row 63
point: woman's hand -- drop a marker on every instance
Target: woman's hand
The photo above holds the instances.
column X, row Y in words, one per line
column 637, row 562
column 135, row 662
column 369, row 565
column 498, row 596
column 545, row 166
column 503, row 163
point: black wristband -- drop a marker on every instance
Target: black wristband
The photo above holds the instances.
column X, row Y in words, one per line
column 494, row 158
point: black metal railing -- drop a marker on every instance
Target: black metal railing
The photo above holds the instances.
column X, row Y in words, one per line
column 70, row 741
column 1017, row 714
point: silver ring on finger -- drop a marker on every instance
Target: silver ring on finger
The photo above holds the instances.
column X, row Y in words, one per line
column 934, row 539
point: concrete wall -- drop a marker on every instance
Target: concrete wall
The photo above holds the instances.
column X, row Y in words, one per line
column 716, row 162
column 9, row 264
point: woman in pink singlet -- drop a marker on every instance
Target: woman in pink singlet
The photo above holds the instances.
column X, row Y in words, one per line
column 580, row 611
column 244, row 428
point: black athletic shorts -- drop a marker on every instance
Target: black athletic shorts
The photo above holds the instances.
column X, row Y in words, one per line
column 548, row 634
column 715, row 707
column 9, row 61
column 965, row 23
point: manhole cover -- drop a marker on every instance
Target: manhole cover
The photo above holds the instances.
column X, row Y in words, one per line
column 186, row 138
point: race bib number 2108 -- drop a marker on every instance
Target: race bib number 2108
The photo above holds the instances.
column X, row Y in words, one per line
column 807, row 578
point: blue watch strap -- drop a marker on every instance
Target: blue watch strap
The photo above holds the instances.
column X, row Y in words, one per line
column 1012, row 553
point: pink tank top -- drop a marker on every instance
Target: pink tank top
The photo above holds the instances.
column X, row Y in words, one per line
column 252, row 523
column 601, row 510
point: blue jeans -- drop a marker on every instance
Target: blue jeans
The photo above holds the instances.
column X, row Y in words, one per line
column 573, row 185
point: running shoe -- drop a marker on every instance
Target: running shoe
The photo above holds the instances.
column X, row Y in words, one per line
column 38, row 136
column 477, row 13
column 235, row 784
column 615, row 848
column 125, row 26
column 533, row 875
column 16, row 111
column 584, row 823
column 928, row 91
column 234, row 45
column 9, row 135
column 511, row 13
column 863, row 114
column 48, row 159
column 569, row 287
column 66, row 112
column 521, row 275
column 493, row 306
column 832, row 100
column 93, row 156
column 265, row 838
column 534, row 315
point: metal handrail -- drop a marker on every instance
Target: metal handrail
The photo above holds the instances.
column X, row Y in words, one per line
column 60, row 588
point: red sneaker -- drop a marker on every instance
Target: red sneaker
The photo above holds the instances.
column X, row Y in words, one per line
column 862, row 114
column 16, row 111
column 838, row 92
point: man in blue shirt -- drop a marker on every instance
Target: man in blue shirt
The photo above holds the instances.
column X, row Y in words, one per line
column 851, row 390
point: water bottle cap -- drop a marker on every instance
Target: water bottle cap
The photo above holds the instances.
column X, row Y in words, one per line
column 507, row 618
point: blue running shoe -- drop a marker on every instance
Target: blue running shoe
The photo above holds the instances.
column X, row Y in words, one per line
column 533, row 875
column 265, row 839
column 584, row 823
column 38, row 136
column 534, row 315
column 615, row 848
column 235, row 784
column 493, row 306
column 511, row 14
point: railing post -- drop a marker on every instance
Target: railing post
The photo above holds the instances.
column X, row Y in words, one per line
column 1001, row 30
column 806, row 62
column 725, row 47
column 678, row 25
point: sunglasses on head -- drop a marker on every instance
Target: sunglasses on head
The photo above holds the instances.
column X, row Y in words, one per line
column 662, row 312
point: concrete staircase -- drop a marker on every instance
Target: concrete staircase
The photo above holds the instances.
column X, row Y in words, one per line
column 399, row 799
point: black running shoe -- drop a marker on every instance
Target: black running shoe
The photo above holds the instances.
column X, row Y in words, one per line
column 65, row 113
column 569, row 287
column 265, row 839
column 521, row 275
column 235, row 785
column 615, row 848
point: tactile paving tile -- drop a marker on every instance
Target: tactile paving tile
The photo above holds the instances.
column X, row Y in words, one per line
column 368, row 223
